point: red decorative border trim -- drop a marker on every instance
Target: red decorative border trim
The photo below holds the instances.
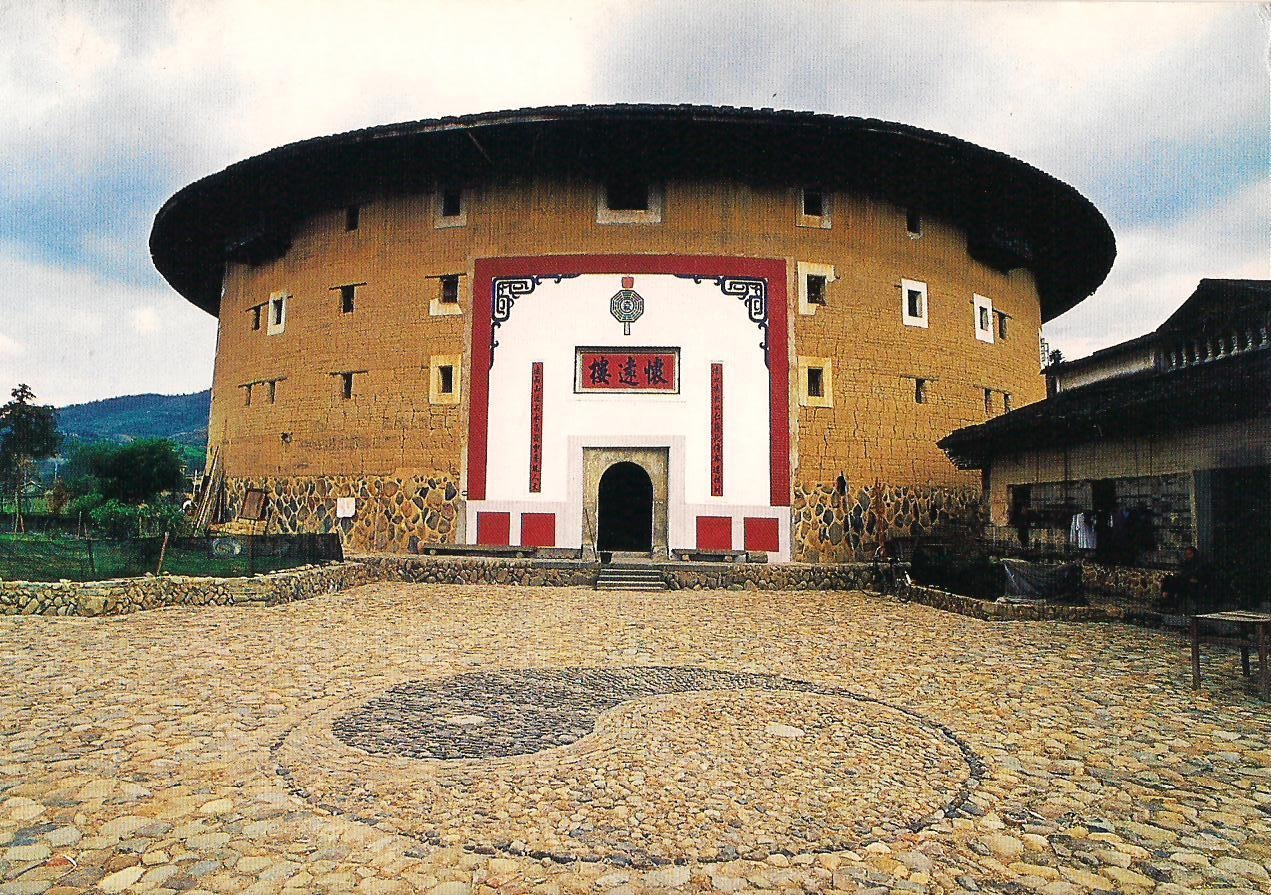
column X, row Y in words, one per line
column 717, row 430
column 770, row 270
column 536, row 427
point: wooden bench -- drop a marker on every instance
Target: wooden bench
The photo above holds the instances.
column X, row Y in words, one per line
column 1255, row 633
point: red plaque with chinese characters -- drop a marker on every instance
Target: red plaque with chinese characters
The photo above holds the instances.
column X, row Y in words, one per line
column 631, row 370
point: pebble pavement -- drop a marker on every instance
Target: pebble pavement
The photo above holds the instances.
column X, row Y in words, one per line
column 505, row 741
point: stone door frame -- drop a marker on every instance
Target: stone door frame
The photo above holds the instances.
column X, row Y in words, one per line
column 659, row 456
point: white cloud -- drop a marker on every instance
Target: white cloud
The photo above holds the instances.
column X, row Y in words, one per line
column 146, row 320
column 87, row 336
column 1158, row 267
column 10, row 346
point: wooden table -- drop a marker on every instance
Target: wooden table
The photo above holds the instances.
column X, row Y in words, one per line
column 1255, row 632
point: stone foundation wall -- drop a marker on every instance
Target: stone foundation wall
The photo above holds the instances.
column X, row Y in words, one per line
column 123, row 595
column 1130, row 586
column 679, row 576
column 394, row 514
column 836, row 528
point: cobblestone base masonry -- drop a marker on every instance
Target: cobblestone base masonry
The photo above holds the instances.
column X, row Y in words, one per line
column 830, row 527
column 123, row 595
column 989, row 610
column 392, row 514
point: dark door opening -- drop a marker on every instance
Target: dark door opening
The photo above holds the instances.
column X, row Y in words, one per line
column 625, row 509
column 1241, row 528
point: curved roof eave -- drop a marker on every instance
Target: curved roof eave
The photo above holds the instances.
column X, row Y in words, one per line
column 1006, row 203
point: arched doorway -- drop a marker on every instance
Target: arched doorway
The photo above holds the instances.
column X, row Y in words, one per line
column 625, row 509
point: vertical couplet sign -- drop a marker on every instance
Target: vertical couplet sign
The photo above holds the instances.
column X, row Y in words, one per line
column 536, row 427
column 717, row 430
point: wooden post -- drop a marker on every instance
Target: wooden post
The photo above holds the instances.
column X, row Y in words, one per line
column 163, row 551
column 1195, row 653
column 251, row 555
column 92, row 562
column 1264, row 667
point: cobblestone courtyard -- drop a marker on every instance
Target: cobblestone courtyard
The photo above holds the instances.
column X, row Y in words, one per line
column 456, row 740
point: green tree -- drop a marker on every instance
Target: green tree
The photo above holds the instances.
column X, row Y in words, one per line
column 28, row 432
column 138, row 472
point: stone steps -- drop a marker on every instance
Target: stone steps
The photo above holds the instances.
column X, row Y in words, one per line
column 629, row 578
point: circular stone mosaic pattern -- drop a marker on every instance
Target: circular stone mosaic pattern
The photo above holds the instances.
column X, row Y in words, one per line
column 638, row 765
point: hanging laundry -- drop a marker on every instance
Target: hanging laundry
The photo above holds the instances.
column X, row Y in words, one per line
column 1081, row 532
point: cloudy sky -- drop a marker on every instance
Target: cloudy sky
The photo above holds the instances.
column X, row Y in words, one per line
column 1159, row 113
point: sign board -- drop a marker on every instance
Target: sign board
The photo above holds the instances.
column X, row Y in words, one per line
column 627, row 370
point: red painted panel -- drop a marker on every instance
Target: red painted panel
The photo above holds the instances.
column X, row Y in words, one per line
column 773, row 272
column 494, row 529
column 637, row 370
column 536, row 427
column 762, row 534
column 538, row 529
column 714, row 533
column 717, row 430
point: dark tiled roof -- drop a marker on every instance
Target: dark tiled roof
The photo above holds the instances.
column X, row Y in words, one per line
column 1225, row 390
column 1014, row 214
column 1217, row 306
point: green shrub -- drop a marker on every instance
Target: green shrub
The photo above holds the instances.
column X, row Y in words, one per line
column 114, row 519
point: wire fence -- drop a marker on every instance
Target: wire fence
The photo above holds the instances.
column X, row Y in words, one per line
column 32, row 557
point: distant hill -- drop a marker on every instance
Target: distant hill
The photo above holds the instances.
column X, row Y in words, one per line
column 179, row 418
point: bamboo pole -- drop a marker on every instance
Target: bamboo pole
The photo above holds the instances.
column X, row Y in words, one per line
column 163, row 552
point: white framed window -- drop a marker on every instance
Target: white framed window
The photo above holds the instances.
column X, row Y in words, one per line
column 816, row 382
column 812, row 208
column 445, row 299
column 443, row 378
column 913, row 303
column 983, row 309
column 629, row 200
column 277, row 310
column 814, row 285
column 450, row 207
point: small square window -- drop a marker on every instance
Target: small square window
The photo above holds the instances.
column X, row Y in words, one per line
column 913, row 303
column 627, row 194
column 346, row 386
column 988, row 401
column 247, row 392
column 451, row 203
column 348, row 295
column 352, row 217
column 913, row 222
column 816, row 289
column 450, row 289
column 983, row 318
column 443, row 378
column 446, row 379
column 273, row 390
column 813, row 203
column 920, row 391
column 816, row 382
column 276, row 311
column 256, row 314
column 1001, row 325
column 1006, row 402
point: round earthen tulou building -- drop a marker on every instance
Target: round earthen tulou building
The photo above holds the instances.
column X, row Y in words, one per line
column 646, row 328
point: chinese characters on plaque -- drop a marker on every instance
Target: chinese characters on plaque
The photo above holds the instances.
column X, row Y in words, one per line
column 633, row 370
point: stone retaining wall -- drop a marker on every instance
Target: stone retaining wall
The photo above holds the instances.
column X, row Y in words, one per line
column 678, row 576
column 1127, row 585
column 123, row 595
column 990, row 610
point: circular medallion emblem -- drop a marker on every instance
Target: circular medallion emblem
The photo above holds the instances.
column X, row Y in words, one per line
column 626, row 306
